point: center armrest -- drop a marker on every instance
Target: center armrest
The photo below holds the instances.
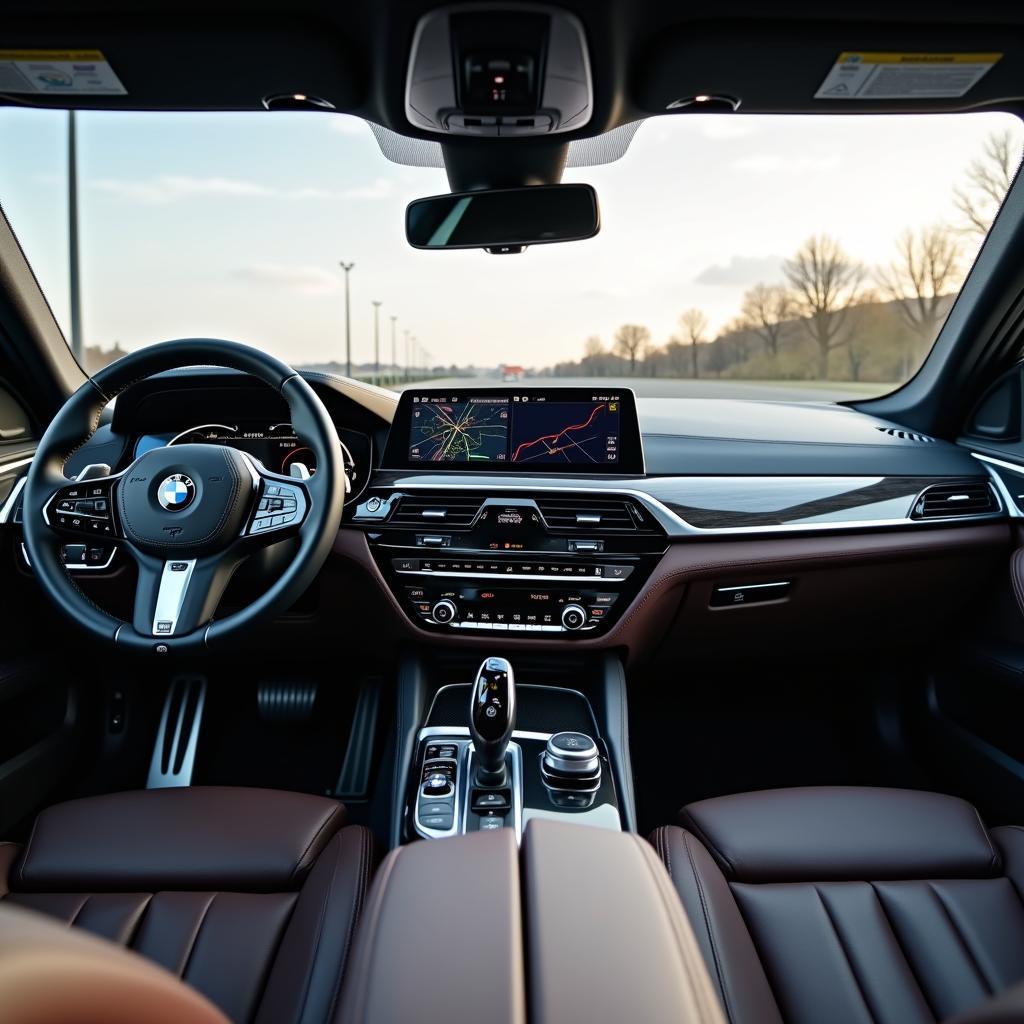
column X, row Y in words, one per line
column 606, row 936
column 454, row 927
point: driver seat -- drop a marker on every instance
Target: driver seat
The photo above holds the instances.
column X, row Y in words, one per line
column 250, row 896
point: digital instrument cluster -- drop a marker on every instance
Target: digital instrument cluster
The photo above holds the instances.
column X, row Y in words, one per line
column 276, row 446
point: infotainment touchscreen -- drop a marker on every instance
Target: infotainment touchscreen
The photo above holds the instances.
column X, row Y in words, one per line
column 524, row 430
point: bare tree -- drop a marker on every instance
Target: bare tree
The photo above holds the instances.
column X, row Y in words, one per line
column 925, row 271
column 988, row 181
column 593, row 347
column 765, row 310
column 694, row 324
column 826, row 283
column 675, row 356
column 631, row 341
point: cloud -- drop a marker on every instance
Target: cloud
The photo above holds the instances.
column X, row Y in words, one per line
column 771, row 163
column 725, row 126
column 742, row 270
column 171, row 188
column 307, row 280
column 379, row 188
column 346, row 124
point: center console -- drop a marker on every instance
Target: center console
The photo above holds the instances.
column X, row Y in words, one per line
column 489, row 774
column 492, row 554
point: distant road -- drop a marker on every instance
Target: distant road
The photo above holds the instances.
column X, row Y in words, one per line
column 648, row 387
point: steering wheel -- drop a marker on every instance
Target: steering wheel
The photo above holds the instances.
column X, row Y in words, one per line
column 187, row 515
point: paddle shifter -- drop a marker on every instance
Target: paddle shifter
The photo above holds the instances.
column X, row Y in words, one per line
column 492, row 717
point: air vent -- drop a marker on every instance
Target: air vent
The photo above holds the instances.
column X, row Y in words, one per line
column 435, row 512
column 591, row 515
column 945, row 501
column 907, row 435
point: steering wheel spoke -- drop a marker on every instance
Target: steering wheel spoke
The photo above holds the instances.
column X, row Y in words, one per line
column 175, row 596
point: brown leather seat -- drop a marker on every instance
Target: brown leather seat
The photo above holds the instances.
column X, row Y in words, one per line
column 250, row 896
column 868, row 906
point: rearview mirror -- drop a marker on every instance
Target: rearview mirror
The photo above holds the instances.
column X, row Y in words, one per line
column 503, row 220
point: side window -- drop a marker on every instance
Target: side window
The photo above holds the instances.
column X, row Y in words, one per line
column 15, row 428
column 16, row 442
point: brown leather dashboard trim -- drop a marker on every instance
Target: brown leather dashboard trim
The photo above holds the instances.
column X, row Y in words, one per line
column 652, row 610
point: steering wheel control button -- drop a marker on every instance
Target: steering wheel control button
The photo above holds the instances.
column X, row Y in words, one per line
column 79, row 509
column 281, row 505
column 176, row 492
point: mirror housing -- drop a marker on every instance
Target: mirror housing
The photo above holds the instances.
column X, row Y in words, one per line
column 503, row 220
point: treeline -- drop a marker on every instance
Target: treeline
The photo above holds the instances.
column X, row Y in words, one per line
column 830, row 317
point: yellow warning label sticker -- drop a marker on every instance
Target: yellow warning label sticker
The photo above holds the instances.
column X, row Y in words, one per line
column 860, row 75
column 56, row 72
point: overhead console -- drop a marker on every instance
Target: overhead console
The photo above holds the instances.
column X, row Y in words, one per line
column 497, row 558
column 499, row 71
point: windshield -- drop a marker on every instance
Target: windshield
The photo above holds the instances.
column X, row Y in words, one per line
column 794, row 258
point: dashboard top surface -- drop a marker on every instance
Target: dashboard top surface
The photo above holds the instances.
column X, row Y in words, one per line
column 680, row 437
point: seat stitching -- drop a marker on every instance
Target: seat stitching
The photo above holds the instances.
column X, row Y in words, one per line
column 707, row 925
column 81, row 907
column 973, row 960
column 374, row 911
column 129, row 942
column 693, row 980
column 357, row 906
column 693, row 826
column 268, row 968
column 308, row 984
column 1007, row 876
column 846, row 954
column 28, row 847
column 995, row 860
column 899, row 945
column 309, row 846
column 195, row 936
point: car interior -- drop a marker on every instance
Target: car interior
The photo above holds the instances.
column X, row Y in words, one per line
column 707, row 715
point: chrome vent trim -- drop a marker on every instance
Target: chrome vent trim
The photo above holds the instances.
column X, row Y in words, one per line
column 433, row 511
column 587, row 514
column 952, row 501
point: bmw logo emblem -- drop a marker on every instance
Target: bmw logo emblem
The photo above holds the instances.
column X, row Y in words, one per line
column 177, row 492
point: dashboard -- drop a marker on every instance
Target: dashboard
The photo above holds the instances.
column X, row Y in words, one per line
column 568, row 515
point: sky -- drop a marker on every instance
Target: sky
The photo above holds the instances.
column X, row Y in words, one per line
column 233, row 225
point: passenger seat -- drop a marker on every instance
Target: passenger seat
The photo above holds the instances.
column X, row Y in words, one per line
column 852, row 905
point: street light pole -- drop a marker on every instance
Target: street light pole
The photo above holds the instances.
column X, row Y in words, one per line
column 408, row 364
column 376, row 342
column 74, row 281
column 394, row 356
column 348, row 322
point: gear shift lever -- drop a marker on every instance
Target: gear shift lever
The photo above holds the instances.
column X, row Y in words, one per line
column 492, row 717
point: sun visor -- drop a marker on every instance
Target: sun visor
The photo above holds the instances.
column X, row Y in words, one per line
column 833, row 68
column 151, row 65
